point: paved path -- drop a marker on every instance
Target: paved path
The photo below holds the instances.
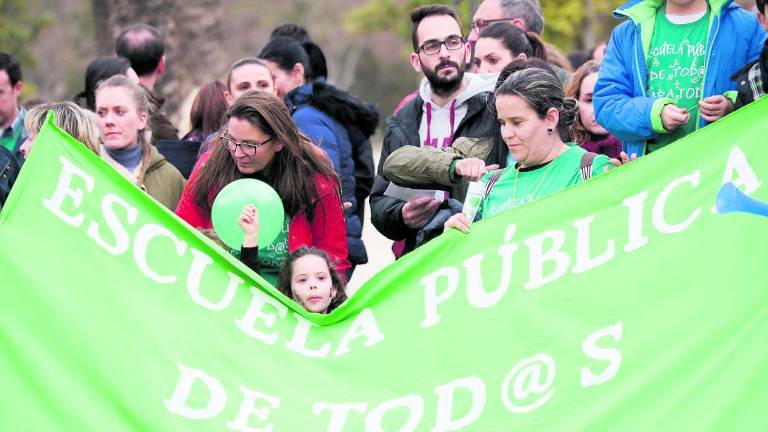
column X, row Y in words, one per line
column 378, row 246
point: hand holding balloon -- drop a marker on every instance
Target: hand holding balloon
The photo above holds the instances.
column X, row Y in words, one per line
column 232, row 202
column 249, row 222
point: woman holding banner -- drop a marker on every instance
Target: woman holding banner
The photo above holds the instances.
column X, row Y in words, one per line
column 259, row 140
column 531, row 110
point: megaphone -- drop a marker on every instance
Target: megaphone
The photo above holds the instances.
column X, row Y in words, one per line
column 731, row 199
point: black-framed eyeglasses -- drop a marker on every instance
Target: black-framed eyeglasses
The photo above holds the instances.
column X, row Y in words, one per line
column 482, row 24
column 432, row 47
column 248, row 148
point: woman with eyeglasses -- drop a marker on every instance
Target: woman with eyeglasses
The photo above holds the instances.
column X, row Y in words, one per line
column 259, row 140
column 122, row 116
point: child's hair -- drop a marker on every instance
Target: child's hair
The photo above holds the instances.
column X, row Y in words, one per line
column 284, row 285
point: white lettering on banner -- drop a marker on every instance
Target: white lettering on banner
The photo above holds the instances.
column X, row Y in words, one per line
column 260, row 318
column 444, row 421
column 476, row 295
column 179, row 402
column 635, row 237
column 256, row 312
column 658, row 209
column 531, row 381
column 538, row 256
column 211, row 389
column 363, row 326
column 122, row 240
column 146, row 234
column 584, row 261
column 412, row 403
column 64, row 189
column 549, row 252
column 249, row 409
column 298, row 342
column 527, row 386
column 740, row 173
column 200, row 262
column 339, row 413
column 611, row 355
column 431, row 296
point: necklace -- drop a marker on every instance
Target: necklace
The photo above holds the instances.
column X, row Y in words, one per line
column 536, row 190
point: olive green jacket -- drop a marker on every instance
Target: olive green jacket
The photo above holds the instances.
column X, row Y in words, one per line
column 430, row 168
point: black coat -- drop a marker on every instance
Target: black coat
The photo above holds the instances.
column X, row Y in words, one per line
column 9, row 169
column 752, row 79
column 402, row 130
column 360, row 119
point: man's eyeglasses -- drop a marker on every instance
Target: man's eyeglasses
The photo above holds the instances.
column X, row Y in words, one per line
column 248, row 148
column 482, row 24
column 432, row 47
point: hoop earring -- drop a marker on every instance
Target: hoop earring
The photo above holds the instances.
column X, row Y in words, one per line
column 549, row 131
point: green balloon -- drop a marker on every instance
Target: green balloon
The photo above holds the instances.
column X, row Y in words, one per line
column 229, row 204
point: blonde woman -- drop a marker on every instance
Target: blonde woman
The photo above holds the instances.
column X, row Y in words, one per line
column 72, row 119
column 122, row 115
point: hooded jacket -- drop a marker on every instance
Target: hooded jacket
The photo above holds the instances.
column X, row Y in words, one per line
column 9, row 170
column 472, row 118
column 314, row 107
column 621, row 104
column 360, row 120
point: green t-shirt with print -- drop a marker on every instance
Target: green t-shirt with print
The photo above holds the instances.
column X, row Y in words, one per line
column 676, row 60
column 515, row 188
column 274, row 255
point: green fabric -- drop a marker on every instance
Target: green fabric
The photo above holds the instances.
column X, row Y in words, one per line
column 514, row 189
column 115, row 315
column 732, row 95
column 676, row 63
column 274, row 255
column 656, row 109
column 452, row 177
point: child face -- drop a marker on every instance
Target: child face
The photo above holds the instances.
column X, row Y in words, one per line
column 311, row 283
column 586, row 107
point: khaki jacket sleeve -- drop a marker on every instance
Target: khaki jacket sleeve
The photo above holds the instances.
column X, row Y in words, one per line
column 428, row 166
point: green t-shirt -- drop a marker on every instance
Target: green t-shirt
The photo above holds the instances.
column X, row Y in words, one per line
column 676, row 60
column 274, row 255
column 515, row 188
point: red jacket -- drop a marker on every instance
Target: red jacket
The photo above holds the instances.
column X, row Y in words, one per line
column 326, row 231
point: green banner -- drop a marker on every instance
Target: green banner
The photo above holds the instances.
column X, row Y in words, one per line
column 626, row 303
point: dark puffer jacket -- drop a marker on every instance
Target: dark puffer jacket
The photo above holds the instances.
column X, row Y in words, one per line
column 402, row 130
column 9, row 169
column 752, row 79
column 321, row 110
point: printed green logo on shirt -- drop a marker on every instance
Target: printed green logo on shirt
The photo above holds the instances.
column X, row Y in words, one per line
column 676, row 69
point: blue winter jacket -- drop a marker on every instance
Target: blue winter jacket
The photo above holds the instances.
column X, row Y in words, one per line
column 622, row 107
column 331, row 136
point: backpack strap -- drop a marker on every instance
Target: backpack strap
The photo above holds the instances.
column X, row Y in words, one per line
column 491, row 182
column 586, row 165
